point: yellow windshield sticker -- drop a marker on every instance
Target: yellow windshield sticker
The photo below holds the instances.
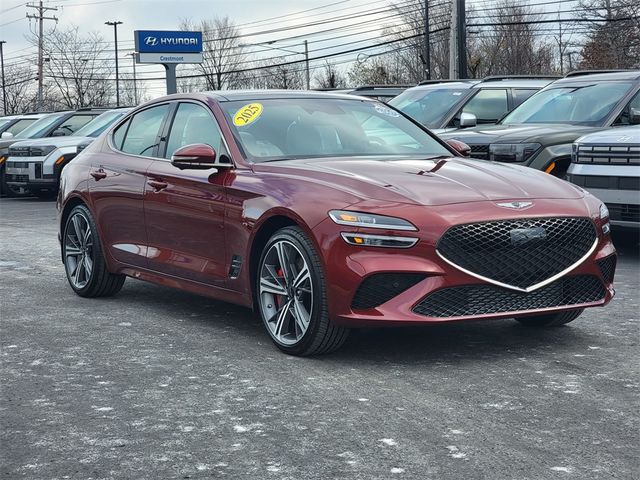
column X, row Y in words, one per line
column 247, row 114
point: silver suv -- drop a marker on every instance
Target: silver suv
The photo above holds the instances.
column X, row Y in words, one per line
column 445, row 105
column 607, row 164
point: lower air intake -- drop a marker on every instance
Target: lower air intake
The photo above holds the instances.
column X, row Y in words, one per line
column 382, row 287
column 472, row 300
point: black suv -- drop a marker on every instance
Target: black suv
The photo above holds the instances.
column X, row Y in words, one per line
column 541, row 131
column 57, row 124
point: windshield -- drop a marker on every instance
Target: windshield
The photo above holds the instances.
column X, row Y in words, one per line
column 278, row 129
column 39, row 127
column 99, row 124
column 581, row 105
column 429, row 107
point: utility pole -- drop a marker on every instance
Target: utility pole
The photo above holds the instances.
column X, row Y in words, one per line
column 306, row 61
column 115, row 39
column 135, row 88
column 4, row 90
column 427, row 53
column 458, row 40
column 40, row 17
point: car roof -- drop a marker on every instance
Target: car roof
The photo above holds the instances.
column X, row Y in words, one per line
column 496, row 81
column 234, row 95
column 584, row 77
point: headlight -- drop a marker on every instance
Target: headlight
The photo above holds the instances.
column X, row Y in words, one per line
column 604, row 211
column 512, row 152
column 362, row 240
column 357, row 219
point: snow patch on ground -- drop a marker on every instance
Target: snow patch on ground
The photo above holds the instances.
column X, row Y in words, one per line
column 388, row 441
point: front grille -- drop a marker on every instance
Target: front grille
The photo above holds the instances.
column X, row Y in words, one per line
column 382, row 287
column 608, row 154
column 19, row 152
column 18, row 164
column 16, row 178
column 472, row 300
column 480, row 151
column 519, row 253
column 608, row 268
column 624, row 212
column 605, row 182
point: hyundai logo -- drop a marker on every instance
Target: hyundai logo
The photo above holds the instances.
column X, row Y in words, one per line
column 515, row 205
column 524, row 236
column 151, row 41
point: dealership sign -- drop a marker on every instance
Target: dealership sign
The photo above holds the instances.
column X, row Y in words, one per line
column 158, row 46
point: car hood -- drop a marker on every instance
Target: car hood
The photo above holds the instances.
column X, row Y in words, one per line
column 545, row 134
column 55, row 141
column 426, row 182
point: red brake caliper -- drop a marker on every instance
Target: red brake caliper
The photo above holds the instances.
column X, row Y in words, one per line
column 279, row 297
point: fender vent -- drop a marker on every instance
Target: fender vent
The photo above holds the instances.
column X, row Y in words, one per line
column 236, row 266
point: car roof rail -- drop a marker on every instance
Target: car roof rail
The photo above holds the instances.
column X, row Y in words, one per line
column 370, row 87
column 446, row 80
column 498, row 78
column 579, row 73
column 84, row 109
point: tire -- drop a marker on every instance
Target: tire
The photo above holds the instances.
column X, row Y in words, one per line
column 86, row 279
column 551, row 320
column 292, row 300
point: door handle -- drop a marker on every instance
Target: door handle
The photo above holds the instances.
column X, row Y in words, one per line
column 99, row 174
column 157, row 185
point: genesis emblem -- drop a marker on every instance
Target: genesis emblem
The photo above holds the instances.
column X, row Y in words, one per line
column 515, row 205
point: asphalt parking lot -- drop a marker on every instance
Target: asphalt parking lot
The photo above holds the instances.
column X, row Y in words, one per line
column 157, row 383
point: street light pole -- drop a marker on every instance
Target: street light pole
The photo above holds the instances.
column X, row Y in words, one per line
column 135, row 88
column 4, row 89
column 115, row 35
column 306, row 61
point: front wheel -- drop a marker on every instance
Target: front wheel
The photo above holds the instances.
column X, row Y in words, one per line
column 551, row 320
column 84, row 259
column 292, row 297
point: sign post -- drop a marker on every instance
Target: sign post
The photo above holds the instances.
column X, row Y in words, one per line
column 168, row 48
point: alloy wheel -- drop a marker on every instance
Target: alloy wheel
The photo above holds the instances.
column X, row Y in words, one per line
column 78, row 250
column 286, row 292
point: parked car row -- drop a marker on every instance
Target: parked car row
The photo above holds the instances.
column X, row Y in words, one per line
column 35, row 148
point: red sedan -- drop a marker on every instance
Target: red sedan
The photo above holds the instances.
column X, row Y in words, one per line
column 324, row 212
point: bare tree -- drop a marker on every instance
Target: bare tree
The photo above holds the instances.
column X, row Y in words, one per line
column 278, row 73
column 614, row 40
column 223, row 53
column 19, row 89
column 330, row 77
column 76, row 67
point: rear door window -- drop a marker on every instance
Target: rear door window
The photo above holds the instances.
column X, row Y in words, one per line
column 143, row 132
column 520, row 95
column 20, row 125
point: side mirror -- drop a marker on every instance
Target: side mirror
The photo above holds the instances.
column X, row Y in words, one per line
column 634, row 116
column 6, row 135
column 198, row 156
column 58, row 133
column 468, row 120
column 462, row 148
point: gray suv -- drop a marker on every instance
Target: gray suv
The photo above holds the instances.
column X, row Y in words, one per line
column 540, row 132
column 607, row 164
column 445, row 105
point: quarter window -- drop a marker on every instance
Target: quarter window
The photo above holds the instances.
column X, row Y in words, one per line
column 520, row 95
column 142, row 135
column 194, row 124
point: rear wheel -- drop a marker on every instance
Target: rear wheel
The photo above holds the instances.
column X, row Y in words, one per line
column 291, row 296
column 550, row 320
column 84, row 259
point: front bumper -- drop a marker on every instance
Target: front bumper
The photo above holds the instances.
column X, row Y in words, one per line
column 32, row 173
column 437, row 292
